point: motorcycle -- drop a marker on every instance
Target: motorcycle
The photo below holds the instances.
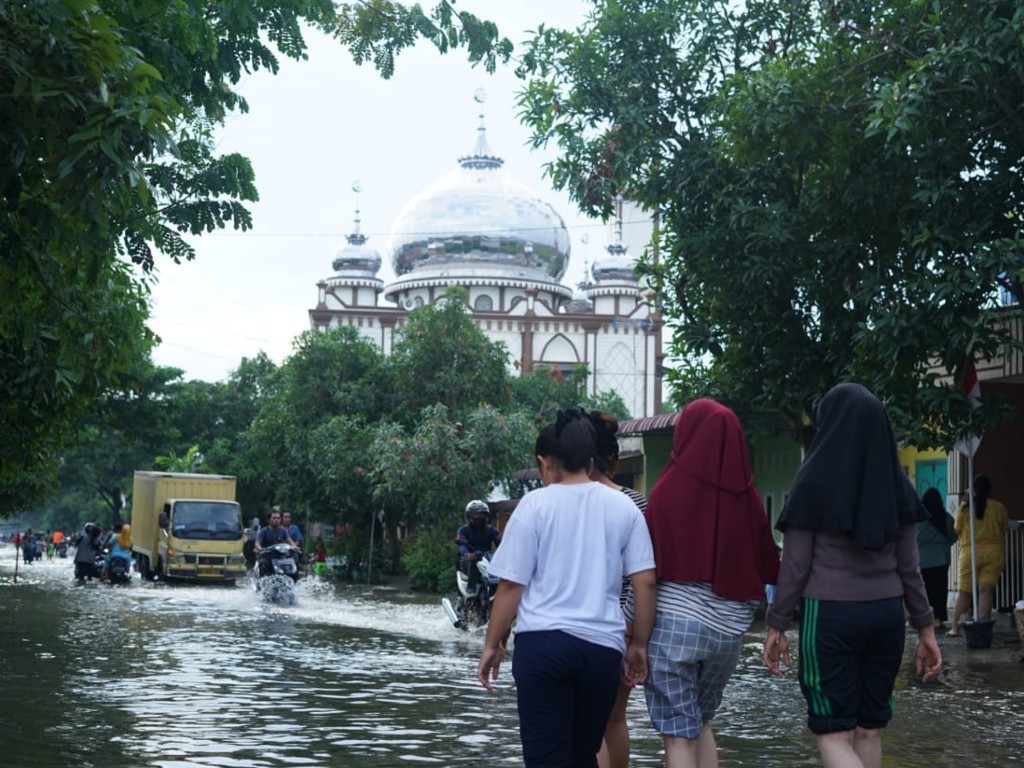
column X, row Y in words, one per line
column 119, row 570
column 465, row 609
column 62, row 549
column 276, row 574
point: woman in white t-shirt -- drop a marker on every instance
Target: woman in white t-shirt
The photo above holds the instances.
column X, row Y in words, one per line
column 561, row 562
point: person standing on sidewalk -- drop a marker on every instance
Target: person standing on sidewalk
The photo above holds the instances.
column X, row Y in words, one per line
column 935, row 538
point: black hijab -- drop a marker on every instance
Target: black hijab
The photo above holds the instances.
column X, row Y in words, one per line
column 851, row 480
column 932, row 501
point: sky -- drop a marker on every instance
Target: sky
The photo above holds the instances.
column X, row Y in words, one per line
column 313, row 131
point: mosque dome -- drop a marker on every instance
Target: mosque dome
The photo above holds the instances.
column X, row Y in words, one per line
column 478, row 221
column 616, row 267
column 356, row 258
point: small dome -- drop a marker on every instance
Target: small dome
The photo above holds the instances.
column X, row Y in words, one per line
column 617, row 267
column 477, row 220
column 357, row 258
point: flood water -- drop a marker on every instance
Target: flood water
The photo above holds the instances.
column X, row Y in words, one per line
column 185, row 677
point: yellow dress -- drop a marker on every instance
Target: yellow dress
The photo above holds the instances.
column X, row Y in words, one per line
column 989, row 544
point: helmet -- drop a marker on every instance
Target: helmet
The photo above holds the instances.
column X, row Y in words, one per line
column 477, row 507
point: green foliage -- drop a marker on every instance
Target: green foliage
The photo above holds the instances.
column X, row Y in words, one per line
column 108, row 158
column 428, row 557
column 306, row 441
column 545, row 390
column 442, row 464
column 838, row 188
column 191, row 462
column 441, row 356
column 377, row 30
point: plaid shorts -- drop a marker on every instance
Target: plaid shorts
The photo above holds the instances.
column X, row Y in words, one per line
column 689, row 667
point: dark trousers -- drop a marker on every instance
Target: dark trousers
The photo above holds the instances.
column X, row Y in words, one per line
column 936, row 584
column 565, row 690
column 468, row 567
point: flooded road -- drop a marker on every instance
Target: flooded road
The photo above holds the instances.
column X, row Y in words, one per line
column 186, row 677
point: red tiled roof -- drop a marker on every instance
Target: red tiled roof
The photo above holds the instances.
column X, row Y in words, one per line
column 648, row 424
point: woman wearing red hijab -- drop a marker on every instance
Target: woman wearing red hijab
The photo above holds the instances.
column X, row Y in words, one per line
column 714, row 553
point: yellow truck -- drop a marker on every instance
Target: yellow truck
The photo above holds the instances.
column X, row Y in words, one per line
column 187, row 526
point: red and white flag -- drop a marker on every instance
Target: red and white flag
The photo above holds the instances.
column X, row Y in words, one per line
column 968, row 445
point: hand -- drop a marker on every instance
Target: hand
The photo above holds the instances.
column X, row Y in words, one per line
column 776, row 647
column 634, row 664
column 928, row 658
column 490, row 663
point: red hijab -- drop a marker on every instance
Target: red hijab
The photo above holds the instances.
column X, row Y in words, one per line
column 705, row 515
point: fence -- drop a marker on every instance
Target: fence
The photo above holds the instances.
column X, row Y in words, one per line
column 1010, row 588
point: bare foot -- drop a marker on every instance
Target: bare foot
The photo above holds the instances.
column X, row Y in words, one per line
column 953, row 633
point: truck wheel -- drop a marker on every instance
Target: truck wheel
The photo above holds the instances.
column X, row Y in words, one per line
column 144, row 570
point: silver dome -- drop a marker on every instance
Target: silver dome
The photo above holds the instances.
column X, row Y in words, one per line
column 617, row 267
column 357, row 258
column 479, row 219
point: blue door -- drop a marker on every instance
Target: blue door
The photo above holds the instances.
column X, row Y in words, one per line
column 931, row 474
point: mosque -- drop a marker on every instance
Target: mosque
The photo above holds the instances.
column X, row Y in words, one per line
column 480, row 229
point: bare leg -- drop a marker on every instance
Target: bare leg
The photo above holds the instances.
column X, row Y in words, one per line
column 867, row 743
column 986, row 597
column 615, row 747
column 701, row 752
column 837, row 750
column 963, row 604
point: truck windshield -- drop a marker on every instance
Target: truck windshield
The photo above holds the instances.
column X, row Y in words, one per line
column 206, row 520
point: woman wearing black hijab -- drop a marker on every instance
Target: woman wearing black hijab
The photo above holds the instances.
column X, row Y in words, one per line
column 935, row 539
column 850, row 559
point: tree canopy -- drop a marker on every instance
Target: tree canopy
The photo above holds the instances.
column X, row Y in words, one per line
column 838, row 188
column 108, row 161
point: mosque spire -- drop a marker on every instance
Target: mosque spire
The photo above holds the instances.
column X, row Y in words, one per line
column 481, row 157
column 357, row 237
column 616, row 248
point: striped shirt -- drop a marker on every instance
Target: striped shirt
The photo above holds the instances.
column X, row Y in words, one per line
column 641, row 503
column 696, row 600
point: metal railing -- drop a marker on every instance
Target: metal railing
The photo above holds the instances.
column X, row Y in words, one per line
column 1010, row 588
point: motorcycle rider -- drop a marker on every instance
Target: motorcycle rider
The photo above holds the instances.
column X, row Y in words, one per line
column 269, row 535
column 120, row 546
column 294, row 534
column 87, row 548
column 473, row 539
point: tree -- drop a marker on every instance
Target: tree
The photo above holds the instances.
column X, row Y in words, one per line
column 425, row 476
column 543, row 391
column 107, row 158
column 441, row 356
column 837, row 186
column 329, row 386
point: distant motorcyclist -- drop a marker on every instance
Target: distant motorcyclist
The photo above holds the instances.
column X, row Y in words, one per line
column 474, row 539
column 87, row 549
column 269, row 535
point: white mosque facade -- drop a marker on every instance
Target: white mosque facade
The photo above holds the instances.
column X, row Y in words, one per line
column 480, row 229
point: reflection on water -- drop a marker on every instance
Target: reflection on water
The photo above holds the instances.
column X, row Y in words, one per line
column 182, row 677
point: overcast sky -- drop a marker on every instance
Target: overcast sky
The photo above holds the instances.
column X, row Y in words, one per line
column 311, row 132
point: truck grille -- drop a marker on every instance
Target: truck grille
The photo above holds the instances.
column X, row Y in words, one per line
column 220, row 560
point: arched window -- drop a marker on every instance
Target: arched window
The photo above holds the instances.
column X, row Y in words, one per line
column 483, row 303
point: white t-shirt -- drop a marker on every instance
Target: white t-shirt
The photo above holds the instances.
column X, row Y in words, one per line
column 570, row 545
